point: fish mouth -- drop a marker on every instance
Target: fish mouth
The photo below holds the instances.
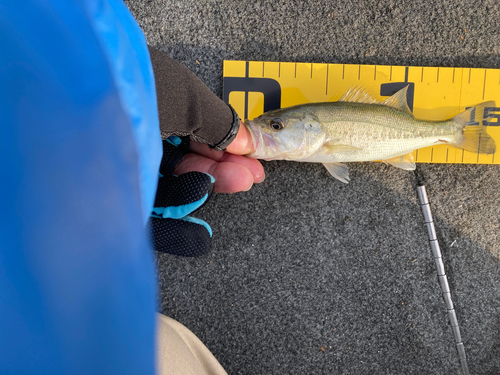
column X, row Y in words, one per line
column 264, row 143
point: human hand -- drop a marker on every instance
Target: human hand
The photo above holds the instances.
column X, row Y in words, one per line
column 232, row 171
column 172, row 228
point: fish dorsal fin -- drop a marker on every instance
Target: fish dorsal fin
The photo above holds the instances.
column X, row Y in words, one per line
column 357, row 94
column 405, row 162
column 339, row 171
column 398, row 101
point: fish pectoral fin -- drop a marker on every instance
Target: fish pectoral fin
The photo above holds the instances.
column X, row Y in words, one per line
column 338, row 148
column 357, row 94
column 339, row 171
column 399, row 101
column 405, row 162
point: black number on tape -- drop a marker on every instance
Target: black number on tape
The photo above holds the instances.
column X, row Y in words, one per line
column 491, row 118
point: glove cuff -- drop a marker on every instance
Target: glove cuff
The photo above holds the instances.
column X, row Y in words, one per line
column 221, row 146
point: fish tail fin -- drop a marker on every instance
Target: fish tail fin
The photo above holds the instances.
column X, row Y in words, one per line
column 474, row 137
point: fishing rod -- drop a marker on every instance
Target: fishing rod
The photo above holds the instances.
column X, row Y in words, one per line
column 443, row 279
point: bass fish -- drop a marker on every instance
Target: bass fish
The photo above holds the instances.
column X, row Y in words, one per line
column 359, row 128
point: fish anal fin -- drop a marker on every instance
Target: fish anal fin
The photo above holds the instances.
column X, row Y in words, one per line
column 357, row 94
column 398, row 101
column 405, row 162
column 339, row 171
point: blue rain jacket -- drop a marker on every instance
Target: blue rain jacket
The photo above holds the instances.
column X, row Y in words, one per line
column 80, row 149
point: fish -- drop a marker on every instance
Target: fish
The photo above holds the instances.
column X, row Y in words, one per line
column 358, row 128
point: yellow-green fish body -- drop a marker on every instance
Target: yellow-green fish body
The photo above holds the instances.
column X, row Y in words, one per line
column 357, row 128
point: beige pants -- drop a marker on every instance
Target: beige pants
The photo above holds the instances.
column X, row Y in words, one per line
column 180, row 352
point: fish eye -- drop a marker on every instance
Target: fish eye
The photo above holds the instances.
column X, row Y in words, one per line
column 277, row 124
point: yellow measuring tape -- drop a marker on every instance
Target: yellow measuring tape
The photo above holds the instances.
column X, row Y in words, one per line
column 254, row 87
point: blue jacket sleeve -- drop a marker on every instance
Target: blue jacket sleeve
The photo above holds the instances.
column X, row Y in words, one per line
column 79, row 155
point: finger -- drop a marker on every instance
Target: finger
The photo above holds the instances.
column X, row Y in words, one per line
column 232, row 178
column 242, row 143
column 253, row 165
column 229, row 177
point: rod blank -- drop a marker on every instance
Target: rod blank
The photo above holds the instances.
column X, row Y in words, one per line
column 443, row 279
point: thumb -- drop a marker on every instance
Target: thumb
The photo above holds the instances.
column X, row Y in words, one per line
column 242, row 143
